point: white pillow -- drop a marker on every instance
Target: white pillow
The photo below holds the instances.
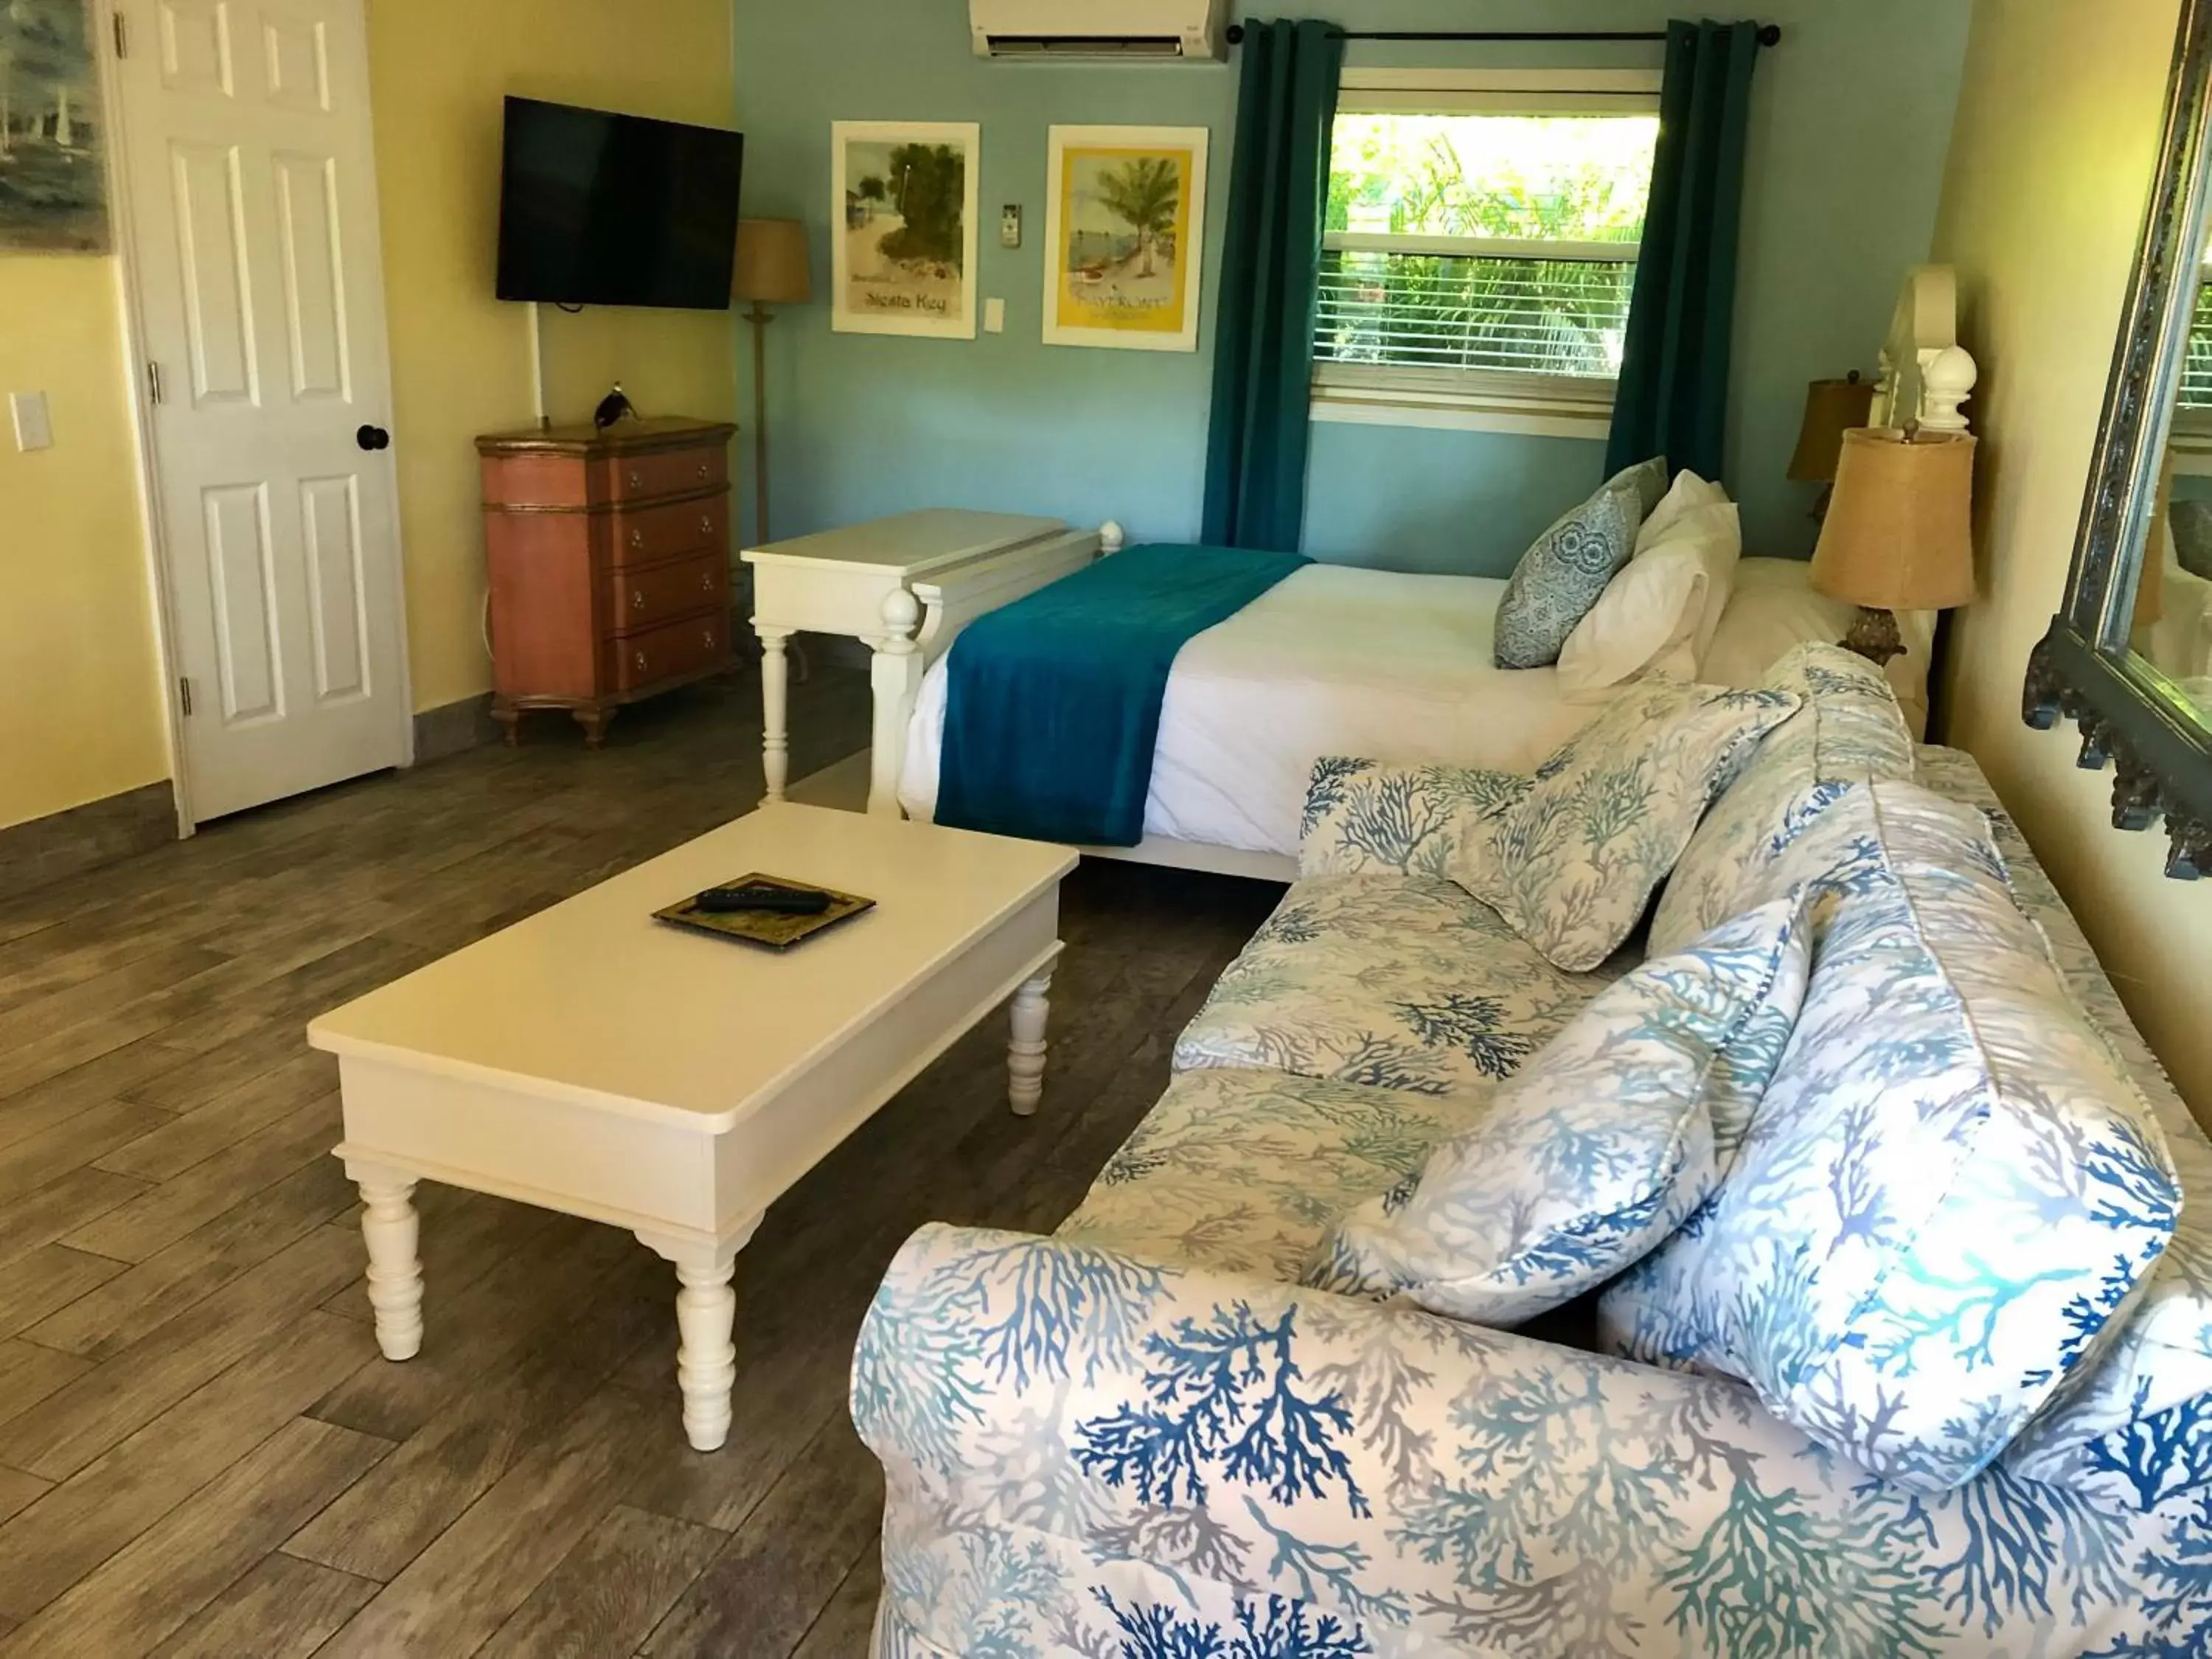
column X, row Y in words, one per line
column 1688, row 493
column 1659, row 614
column 1773, row 608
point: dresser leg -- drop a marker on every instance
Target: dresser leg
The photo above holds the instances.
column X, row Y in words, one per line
column 510, row 723
column 775, row 743
column 594, row 719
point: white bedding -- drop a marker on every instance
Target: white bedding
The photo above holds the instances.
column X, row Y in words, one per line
column 1330, row 661
column 1335, row 660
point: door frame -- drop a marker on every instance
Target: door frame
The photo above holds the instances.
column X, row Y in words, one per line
column 123, row 232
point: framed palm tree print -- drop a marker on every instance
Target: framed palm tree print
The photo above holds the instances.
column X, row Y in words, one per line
column 1125, row 233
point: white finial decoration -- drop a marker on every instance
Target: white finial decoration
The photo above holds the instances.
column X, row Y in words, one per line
column 1112, row 538
column 1947, row 382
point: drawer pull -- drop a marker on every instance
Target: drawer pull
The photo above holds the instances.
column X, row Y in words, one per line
column 705, row 524
column 706, row 581
column 637, row 598
column 637, row 538
column 636, row 479
column 708, row 634
column 640, row 660
column 705, row 472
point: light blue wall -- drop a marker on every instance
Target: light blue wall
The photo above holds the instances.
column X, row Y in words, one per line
column 1851, row 118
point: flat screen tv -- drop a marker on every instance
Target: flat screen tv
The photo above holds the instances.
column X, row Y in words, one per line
column 606, row 209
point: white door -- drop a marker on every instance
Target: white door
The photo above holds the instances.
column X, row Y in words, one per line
column 252, row 197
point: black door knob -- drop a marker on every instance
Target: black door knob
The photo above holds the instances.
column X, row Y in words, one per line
column 372, row 437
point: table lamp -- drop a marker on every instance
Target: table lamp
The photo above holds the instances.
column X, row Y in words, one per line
column 1900, row 533
column 1831, row 409
column 772, row 269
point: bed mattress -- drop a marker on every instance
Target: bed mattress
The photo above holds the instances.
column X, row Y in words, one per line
column 1333, row 660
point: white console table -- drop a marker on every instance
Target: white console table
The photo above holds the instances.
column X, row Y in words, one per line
column 904, row 585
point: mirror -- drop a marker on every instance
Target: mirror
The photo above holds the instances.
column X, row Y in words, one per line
column 2130, row 658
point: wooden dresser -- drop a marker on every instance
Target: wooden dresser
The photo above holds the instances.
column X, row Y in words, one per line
column 609, row 556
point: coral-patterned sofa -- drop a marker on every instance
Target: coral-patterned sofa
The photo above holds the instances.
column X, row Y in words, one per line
column 1144, row 1437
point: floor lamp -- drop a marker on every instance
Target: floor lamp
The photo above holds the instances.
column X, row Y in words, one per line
column 771, row 269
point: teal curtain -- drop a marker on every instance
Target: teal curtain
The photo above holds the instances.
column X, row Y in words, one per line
column 1673, row 398
column 1255, row 453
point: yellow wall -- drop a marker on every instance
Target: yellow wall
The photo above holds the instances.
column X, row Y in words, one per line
column 80, row 708
column 2056, row 136
column 460, row 359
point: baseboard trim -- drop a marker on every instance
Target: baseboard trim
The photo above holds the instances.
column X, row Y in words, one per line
column 64, row 843
column 454, row 728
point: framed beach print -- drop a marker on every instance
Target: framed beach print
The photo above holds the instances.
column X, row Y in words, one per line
column 1125, row 230
column 902, row 198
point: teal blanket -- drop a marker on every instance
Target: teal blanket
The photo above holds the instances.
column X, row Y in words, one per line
column 1053, row 703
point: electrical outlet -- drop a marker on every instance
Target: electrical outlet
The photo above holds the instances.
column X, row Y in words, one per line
column 35, row 429
column 1010, row 225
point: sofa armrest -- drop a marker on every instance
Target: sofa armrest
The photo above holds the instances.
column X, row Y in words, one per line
column 1365, row 818
column 1081, row 1446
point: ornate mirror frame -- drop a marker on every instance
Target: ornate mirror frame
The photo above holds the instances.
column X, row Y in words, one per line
column 2128, row 712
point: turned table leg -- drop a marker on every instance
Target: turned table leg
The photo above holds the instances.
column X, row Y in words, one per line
column 706, row 1313
column 1025, row 1052
column 390, row 1229
column 775, row 741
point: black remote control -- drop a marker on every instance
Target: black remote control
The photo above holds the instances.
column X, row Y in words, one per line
column 776, row 900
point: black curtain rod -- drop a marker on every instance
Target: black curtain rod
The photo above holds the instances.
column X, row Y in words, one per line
column 1769, row 34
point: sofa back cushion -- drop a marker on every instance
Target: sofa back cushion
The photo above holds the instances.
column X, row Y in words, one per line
column 1571, row 865
column 1850, row 730
column 1949, row 1189
column 1597, row 1149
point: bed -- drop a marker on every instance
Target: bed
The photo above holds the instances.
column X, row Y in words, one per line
column 1341, row 661
column 1334, row 659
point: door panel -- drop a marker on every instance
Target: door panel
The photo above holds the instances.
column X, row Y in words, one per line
column 335, row 587
column 218, row 297
column 295, row 51
column 243, row 593
column 253, row 202
column 308, row 217
column 195, row 36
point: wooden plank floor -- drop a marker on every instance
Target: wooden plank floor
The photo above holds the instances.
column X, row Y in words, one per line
column 201, row 1452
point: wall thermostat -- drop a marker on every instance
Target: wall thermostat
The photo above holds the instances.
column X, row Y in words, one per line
column 1010, row 225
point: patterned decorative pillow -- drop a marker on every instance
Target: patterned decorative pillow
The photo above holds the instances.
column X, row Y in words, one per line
column 1850, row 730
column 1573, row 864
column 1565, row 569
column 1949, row 1191
column 1363, row 817
column 1595, row 1150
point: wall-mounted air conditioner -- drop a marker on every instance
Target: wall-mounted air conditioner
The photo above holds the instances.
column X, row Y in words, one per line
column 1099, row 31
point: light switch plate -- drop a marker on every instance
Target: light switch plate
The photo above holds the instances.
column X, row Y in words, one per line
column 1010, row 225
column 34, row 429
column 994, row 316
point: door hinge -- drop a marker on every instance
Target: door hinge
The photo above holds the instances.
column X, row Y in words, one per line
column 153, row 381
column 185, row 696
column 122, row 36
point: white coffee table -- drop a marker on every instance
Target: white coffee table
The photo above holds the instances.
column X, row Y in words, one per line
column 595, row 1061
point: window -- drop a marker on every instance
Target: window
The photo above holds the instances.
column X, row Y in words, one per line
column 2196, row 397
column 1480, row 251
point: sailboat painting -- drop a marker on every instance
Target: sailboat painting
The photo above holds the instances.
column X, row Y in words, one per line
column 54, row 176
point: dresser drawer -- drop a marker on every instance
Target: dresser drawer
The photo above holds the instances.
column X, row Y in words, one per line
column 636, row 660
column 648, row 535
column 668, row 473
column 647, row 597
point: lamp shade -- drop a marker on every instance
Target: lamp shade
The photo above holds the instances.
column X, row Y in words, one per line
column 1831, row 409
column 1900, row 533
column 772, row 264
